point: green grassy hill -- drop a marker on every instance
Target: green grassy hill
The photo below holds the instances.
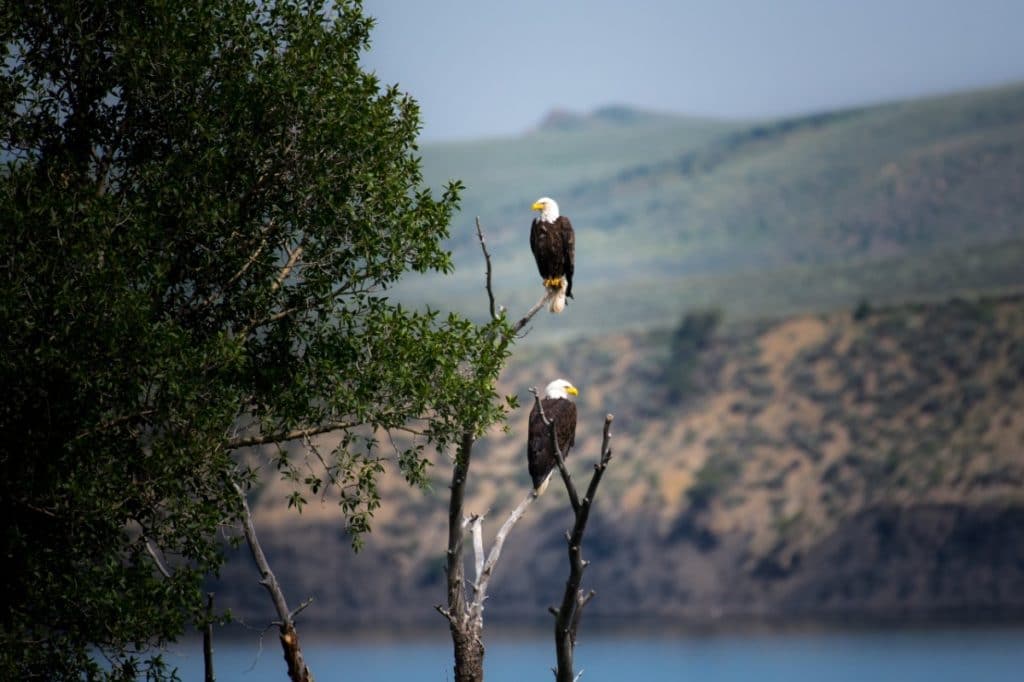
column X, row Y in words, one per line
column 922, row 198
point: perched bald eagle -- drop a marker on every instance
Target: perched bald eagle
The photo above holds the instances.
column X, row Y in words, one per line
column 554, row 248
column 562, row 411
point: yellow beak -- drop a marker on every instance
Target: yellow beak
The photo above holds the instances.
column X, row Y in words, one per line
column 571, row 390
column 537, row 206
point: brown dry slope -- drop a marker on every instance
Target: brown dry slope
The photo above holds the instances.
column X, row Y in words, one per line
column 817, row 465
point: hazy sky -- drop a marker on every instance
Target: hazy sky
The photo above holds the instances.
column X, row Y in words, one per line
column 489, row 67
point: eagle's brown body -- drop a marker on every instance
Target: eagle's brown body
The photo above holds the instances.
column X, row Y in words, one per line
column 554, row 248
column 540, row 457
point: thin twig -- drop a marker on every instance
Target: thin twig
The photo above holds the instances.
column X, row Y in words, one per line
column 297, row 434
column 487, row 260
column 301, row 607
column 156, row 559
column 488, row 285
column 447, row 614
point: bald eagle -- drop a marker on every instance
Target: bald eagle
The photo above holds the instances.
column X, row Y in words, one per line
column 562, row 411
column 554, row 248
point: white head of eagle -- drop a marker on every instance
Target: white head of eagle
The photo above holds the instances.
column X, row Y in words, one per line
column 553, row 243
column 560, row 388
column 548, row 208
column 540, row 456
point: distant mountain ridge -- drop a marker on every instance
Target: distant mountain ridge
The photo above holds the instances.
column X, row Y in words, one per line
column 670, row 210
column 610, row 115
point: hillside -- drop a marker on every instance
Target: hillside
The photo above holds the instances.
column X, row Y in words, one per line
column 914, row 200
column 814, row 465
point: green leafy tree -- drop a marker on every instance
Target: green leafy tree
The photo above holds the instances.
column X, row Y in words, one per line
column 203, row 206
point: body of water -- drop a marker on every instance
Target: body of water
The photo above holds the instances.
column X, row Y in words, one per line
column 928, row 655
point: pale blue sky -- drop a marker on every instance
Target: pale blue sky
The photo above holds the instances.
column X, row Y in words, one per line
column 486, row 67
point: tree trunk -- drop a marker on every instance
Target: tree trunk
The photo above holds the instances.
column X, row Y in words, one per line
column 469, row 656
column 297, row 670
column 209, row 675
column 564, row 648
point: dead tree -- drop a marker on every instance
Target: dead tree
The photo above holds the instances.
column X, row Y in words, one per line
column 567, row 616
column 464, row 609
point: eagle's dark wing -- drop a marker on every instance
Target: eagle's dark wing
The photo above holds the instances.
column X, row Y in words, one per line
column 538, row 236
column 568, row 251
column 539, row 456
column 564, row 413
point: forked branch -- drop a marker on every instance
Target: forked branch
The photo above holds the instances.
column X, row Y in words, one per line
column 567, row 616
column 488, row 285
column 464, row 612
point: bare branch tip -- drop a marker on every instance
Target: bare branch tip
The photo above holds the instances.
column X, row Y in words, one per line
column 301, row 607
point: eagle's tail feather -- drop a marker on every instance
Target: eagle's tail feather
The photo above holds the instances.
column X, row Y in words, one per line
column 544, row 484
column 558, row 301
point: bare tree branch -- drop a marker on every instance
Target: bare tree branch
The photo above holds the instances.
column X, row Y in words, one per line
column 484, row 575
column 525, row 319
column 567, row 616
column 465, row 616
column 488, row 285
column 253, row 257
column 301, row 607
column 156, row 559
column 293, row 258
column 475, row 523
column 487, row 260
column 297, row 669
column 447, row 614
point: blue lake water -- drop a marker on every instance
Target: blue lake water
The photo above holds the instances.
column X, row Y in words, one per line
column 906, row 655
